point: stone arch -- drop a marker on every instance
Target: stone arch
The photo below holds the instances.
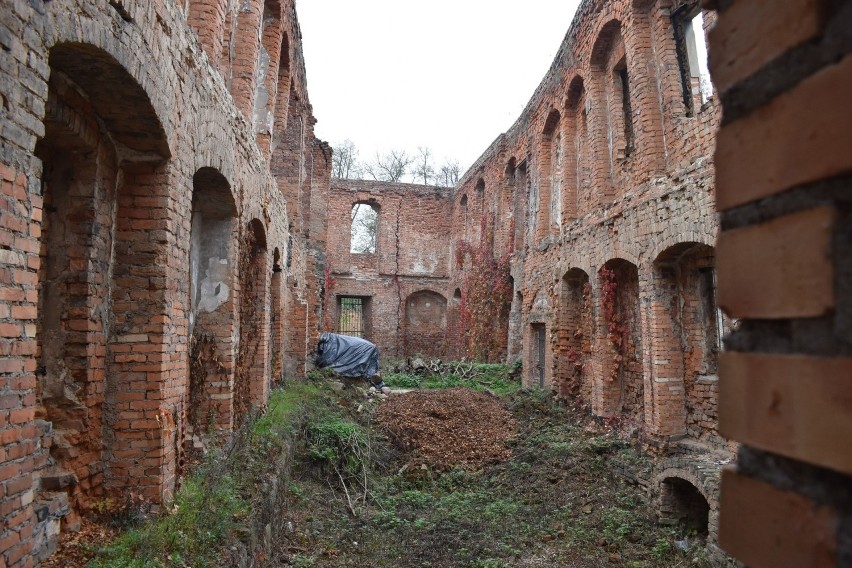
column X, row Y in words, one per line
column 689, row 491
column 574, row 336
column 425, row 323
column 686, row 336
column 102, row 274
column 611, row 126
column 251, row 375
column 212, row 313
column 577, row 175
column 550, row 176
column 619, row 334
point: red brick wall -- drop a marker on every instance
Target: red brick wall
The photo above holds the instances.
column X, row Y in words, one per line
column 784, row 155
column 410, row 263
column 121, row 123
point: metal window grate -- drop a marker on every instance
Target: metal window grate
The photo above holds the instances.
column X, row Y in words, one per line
column 351, row 316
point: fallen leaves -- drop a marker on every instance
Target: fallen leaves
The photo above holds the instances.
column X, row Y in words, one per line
column 449, row 428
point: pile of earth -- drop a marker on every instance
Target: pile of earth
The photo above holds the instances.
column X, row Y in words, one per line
column 449, row 428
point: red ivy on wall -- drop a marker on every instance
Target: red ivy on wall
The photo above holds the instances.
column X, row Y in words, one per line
column 486, row 294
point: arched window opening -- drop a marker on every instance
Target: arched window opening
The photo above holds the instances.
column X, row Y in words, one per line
column 621, row 94
column 365, row 229
column 691, row 45
column 683, row 504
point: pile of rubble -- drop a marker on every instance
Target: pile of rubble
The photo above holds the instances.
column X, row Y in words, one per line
column 449, row 428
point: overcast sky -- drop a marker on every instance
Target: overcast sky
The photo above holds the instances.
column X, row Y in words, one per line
column 447, row 74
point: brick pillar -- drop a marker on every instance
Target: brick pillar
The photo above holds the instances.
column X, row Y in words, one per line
column 664, row 387
column 21, row 453
column 207, row 18
column 142, row 412
column 246, row 47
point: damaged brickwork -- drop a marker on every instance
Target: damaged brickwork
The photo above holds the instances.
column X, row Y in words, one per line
column 603, row 192
column 403, row 280
column 158, row 167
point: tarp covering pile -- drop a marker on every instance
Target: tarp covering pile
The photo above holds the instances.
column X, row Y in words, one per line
column 348, row 356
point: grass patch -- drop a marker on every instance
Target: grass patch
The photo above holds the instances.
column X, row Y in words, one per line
column 495, row 378
column 214, row 507
column 554, row 503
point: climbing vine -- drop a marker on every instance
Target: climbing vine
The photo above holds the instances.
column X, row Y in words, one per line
column 251, row 278
column 486, row 294
column 616, row 327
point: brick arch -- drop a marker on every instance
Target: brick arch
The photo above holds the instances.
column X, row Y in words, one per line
column 703, row 476
column 212, row 305
column 425, row 322
column 125, row 107
column 251, row 373
column 686, row 327
column 577, row 181
column 660, row 246
column 121, row 44
column 550, row 176
column 96, row 231
column 608, row 33
column 621, row 352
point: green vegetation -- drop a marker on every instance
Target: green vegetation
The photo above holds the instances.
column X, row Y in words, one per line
column 555, row 501
column 498, row 379
column 214, row 505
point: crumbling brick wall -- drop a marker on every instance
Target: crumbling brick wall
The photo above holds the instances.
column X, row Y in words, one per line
column 605, row 188
column 407, row 271
column 134, row 165
column 784, row 157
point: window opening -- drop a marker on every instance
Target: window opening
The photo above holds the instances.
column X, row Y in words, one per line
column 352, row 321
column 692, row 53
column 365, row 222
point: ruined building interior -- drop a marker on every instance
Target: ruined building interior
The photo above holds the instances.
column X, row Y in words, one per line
column 657, row 248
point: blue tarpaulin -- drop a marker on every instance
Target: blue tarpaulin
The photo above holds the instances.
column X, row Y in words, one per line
column 348, row 356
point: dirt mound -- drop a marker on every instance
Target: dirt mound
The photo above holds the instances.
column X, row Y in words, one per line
column 449, row 428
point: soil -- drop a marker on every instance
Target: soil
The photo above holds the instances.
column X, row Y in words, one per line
column 540, row 492
column 449, row 428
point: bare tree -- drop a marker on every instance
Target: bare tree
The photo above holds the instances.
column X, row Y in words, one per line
column 344, row 160
column 389, row 167
column 449, row 174
column 365, row 220
column 423, row 169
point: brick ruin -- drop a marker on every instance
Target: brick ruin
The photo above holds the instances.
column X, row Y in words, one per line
column 158, row 170
column 171, row 245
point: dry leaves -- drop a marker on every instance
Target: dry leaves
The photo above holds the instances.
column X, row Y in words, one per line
column 449, row 428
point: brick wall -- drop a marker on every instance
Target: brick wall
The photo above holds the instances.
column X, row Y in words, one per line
column 784, row 72
column 405, row 278
column 604, row 191
column 138, row 153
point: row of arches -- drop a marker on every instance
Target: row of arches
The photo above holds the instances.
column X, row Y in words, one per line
column 636, row 343
column 611, row 125
column 249, row 43
column 153, row 316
